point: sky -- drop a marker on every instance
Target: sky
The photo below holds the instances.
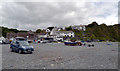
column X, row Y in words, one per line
column 35, row 15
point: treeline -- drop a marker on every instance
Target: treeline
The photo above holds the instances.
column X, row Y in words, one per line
column 104, row 32
column 5, row 30
column 93, row 31
column 98, row 32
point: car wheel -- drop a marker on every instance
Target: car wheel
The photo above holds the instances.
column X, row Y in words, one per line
column 93, row 45
column 89, row 45
column 11, row 49
column 20, row 51
column 84, row 44
column 80, row 44
column 31, row 52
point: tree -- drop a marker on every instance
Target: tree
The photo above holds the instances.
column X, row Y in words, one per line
column 93, row 24
column 68, row 28
column 39, row 31
column 103, row 25
column 92, row 37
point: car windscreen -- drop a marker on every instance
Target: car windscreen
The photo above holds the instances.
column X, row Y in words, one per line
column 23, row 43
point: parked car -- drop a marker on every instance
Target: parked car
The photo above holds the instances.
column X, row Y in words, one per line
column 21, row 47
column 79, row 43
column 1, row 42
column 4, row 41
column 44, row 41
column 89, row 40
column 38, row 41
column 90, row 44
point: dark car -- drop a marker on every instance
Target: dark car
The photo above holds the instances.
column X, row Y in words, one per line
column 89, row 40
column 21, row 47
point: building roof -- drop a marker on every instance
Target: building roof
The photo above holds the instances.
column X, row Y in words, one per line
column 66, row 31
column 63, row 32
column 50, row 28
column 44, row 33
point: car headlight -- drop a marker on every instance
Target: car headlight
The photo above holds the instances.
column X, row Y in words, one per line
column 23, row 47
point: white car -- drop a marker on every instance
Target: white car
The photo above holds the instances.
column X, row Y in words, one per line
column 1, row 41
column 89, row 44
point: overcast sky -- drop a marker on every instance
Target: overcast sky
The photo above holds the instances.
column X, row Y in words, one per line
column 34, row 15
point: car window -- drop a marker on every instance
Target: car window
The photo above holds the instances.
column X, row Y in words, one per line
column 24, row 43
column 14, row 42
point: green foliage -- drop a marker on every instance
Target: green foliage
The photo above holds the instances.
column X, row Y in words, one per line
column 68, row 28
column 101, row 32
column 104, row 32
column 92, row 37
column 93, row 31
column 39, row 31
column 93, row 24
column 6, row 30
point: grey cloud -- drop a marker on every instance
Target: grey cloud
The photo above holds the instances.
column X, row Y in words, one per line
column 34, row 15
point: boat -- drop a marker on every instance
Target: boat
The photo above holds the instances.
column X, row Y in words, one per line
column 71, row 43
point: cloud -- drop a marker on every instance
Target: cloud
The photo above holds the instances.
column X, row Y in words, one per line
column 34, row 15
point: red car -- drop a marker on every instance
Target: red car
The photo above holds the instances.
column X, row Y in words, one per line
column 79, row 43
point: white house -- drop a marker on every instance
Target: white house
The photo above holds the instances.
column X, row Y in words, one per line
column 58, row 35
column 80, row 27
column 47, row 30
column 42, row 35
column 67, row 33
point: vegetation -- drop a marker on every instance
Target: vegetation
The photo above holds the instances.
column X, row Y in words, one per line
column 40, row 31
column 93, row 31
column 104, row 32
column 5, row 30
column 68, row 28
column 100, row 32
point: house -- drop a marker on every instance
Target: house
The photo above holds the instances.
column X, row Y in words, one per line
column 29, row 35
column 49, row 29
column 41, row 36
column 67, row 33
column 79, row 27
column 62, row 33
column 11, row 35
column 59, row 35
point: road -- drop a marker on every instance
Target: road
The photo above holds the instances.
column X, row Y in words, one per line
column 59, row 56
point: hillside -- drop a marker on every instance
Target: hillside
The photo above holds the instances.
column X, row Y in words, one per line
column 104, row 32
column 93, row 31
column 5, row 30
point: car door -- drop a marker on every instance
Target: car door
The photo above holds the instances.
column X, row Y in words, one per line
column 13, row 45
column 16, row 46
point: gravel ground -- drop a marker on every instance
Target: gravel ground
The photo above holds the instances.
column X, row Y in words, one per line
column 59, row 56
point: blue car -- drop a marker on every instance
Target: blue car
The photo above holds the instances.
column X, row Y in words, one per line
column 21, row 47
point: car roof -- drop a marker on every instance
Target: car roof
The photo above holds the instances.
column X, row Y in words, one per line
column 21, row 40
column 19, row 37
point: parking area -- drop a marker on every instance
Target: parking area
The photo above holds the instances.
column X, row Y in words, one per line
column 59, row 56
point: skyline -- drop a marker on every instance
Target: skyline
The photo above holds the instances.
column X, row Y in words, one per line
column 35, row 15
